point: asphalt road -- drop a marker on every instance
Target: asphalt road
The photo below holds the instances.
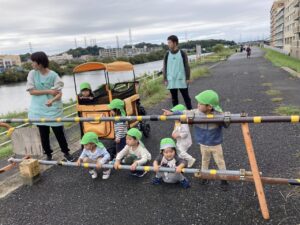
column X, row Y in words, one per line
column 70, row 196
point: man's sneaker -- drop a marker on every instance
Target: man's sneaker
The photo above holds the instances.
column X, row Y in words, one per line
column 49, row 157
column 191, row 162
column 106, row 174
column 69, row 158
column 93, row 173
column 204, row 181
column 185, row 183
column 224, row 185
column 156, row 180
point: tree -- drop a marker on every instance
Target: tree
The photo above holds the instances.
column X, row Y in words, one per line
column 218, row 48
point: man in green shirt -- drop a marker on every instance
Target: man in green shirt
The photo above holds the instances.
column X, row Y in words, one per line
column 176, row 72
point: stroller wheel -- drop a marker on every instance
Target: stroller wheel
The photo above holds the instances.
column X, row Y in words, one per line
column 146, row 129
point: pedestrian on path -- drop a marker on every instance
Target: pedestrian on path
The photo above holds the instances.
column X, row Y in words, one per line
column 44, row 86
column 176, row 72
column 248, row 50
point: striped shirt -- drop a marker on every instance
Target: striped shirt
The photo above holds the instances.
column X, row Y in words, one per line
column 120, row 129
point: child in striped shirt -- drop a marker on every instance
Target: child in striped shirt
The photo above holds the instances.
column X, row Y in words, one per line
column 117, row 106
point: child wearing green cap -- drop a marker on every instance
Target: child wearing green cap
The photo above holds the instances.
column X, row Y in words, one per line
column 182, row 135
column 168, row 158
column 86, row 95
column 94, row 152
column 208, row 135
column 118, row 109
column 134, row 153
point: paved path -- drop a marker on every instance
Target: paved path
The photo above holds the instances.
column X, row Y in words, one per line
column 69, row 196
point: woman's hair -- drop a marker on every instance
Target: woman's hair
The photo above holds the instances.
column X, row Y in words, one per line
column 174, row 39
column 40, row 58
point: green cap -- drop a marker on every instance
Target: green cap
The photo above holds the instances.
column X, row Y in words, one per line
column 91, row 137
column 167, row 143
column 209, row 97
column 178, row 107
column 117, row 104
column 85, row 85
column 134, row 132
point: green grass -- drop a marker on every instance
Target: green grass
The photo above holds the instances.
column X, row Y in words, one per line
column 276, row 99
column 199, row 72
column 266, row 84
column 152, row 91
column 6, row 151
column 272, row 92
column 282, row 60
column 288, row 110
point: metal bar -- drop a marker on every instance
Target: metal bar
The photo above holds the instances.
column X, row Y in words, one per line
column 26, row 124
column 233, row 175
column 184, row 118
column 140, row 168
column 265, row 180
column 254, row 168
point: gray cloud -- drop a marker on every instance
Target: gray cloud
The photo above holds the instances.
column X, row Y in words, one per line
column 52, row 25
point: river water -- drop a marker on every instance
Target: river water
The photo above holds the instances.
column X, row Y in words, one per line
column 14, row 98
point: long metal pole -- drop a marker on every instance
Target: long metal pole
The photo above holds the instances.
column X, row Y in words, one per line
column 140, row 168
column 233, row 175
column 183, row 118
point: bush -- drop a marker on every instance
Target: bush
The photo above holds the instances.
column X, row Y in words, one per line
column 218, row 48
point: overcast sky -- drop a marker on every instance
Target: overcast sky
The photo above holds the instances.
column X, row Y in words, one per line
column 53, row 25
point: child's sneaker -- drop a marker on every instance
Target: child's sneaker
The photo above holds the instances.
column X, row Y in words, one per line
column 224, row 185
column 185, row 183
column 106, row 174
column 156, row 181
column 204, row 181
column 93, row 173
column 191, row 162
column 139, row 173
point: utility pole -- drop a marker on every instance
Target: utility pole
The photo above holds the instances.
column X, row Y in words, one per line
column 185, row 36
column 130, row 38
column 30, row 47
column 75, row 42
column 117, row 40
column 85, row 44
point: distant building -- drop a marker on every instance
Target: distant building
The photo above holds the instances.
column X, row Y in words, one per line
column 61, row 58
column 295, row 28
column 277, row 23
column 87, row 57
column 8, row 61
column 285, row 22
column 126, row 52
